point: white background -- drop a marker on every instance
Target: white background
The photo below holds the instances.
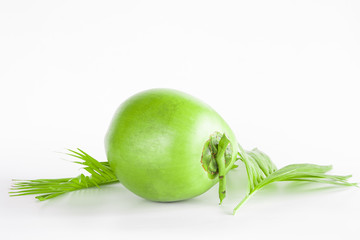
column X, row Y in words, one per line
column 284, row 74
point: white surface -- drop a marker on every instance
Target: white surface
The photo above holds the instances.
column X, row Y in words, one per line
column 284, row 74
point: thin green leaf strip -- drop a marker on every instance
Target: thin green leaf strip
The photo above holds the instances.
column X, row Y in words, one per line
column 262, row 171
column 101, row 174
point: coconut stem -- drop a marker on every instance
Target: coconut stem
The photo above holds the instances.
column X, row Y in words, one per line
column 220, row 160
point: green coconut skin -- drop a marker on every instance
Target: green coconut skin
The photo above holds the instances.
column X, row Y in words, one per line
column 155, row 142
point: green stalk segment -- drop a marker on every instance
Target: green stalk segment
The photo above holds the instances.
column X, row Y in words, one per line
column 220, row 160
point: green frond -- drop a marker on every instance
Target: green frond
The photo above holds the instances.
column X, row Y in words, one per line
column 262, row 171
column 100, row 174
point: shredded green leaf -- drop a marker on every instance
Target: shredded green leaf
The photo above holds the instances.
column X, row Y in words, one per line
column 262, row 171
column 101, row 174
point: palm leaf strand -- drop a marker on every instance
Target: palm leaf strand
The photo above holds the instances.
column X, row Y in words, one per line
column 262, row 171
column 100, row 174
